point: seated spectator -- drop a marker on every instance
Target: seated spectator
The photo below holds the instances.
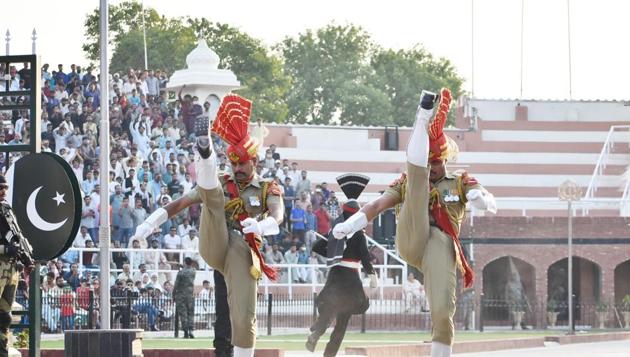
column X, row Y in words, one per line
column 414, row 295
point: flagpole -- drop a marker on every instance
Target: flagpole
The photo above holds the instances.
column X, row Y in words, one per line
column 104, row 233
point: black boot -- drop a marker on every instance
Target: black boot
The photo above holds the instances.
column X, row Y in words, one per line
column 204, row 146
column 190, row 334
column 186, row 335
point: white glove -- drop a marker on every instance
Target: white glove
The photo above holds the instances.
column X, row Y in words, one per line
column 373, row 281
column 266, row 227
column 155, row 220
column 482, row 200
column 355, row 223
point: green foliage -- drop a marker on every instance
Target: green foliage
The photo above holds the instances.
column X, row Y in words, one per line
column 403, row 74
column 21, row 339
column 331, row 75
column 602, row 307
column 625, row 303
column 324, row 65
column 552, row 305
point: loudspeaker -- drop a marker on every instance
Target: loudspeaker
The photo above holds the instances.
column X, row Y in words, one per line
column 391, row 138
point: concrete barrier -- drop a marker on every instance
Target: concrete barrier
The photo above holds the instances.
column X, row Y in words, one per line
column 595, row 337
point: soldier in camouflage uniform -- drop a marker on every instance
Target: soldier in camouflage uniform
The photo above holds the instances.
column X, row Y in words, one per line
column 10, row 277
column 183, row 292
column 432, row 206
column 238, row 209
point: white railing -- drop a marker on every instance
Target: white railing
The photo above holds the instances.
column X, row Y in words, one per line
column 388, row 275
column 602, row 160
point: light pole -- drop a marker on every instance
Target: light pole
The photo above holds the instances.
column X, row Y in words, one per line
column 570, row 191
column 104, row 233
column 34, row 38
column 8, row 39
column 144, row 38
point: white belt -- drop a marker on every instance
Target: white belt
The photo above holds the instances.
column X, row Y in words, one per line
column 352, row 265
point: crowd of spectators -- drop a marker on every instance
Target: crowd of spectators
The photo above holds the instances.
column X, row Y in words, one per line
column 151, row 163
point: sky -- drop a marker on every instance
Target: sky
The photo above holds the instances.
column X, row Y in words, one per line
column 484, row 32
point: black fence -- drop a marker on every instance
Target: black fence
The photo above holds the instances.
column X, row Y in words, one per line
column 297, row 311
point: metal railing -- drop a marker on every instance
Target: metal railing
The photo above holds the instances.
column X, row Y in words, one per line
column 602, row 160
column 396, row 311
column 315, row 274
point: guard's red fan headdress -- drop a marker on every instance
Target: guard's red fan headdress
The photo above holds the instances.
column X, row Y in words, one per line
column 232, row 125
column 441, row 147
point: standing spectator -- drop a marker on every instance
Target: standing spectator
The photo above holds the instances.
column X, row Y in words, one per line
column 304, row 184
column 291, row 257
column 298, row 222
column 135, row 257
column 89, row 257
column 183, row 292
column 310, row 227
column 172, row 241
column 139, row 214
column 332, row 206
column 289, row 197
column 190, row 242
column 323, row 220
column 125, row 213
column 72, row 277
column 88, row 217
column 83, row 294
column 67, row 308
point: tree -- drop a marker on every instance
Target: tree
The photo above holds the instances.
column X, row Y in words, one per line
column 169, row 40
column 403, row 74
column 322, row 65
column 340, row 76
column 123, row 18
column 260, row 73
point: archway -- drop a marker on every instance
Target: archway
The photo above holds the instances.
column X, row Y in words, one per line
column 622, row 283
column 509, row 283
column 586, row 286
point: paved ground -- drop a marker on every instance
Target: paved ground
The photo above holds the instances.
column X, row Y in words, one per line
column 598, row 349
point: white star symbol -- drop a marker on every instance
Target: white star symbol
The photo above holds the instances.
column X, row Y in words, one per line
column 59, row 198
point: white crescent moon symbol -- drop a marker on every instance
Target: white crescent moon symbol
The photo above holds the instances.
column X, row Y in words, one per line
column 33, row 215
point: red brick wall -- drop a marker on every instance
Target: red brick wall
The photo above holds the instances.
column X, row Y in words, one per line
column 606, row 256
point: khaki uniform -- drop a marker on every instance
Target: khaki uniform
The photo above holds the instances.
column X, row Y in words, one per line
column 425, row 246
column 222, row 245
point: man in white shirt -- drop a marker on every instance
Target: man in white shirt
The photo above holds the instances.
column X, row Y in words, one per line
column 191, row 242
column 172, row 241
column 82, row 236
column 414, row 295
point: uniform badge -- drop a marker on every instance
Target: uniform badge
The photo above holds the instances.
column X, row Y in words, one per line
column 254, row 201
column 450, row 196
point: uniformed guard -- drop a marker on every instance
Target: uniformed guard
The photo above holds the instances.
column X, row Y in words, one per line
column 432, row 206
column 238, row 209
column 343, row 295
column 14, row 248
column 183, row 292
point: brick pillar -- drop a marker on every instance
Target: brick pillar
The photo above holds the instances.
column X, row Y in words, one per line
column 541, row 295
column 607, row 292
